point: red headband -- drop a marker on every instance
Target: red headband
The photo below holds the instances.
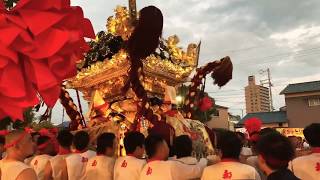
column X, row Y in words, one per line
column 44, row 145
column 28, row 130
column 15, row 142
column 4, row 132
column 44, row 132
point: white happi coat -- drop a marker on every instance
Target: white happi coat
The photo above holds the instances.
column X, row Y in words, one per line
column 76, row 164
column 39, row 163
column 306, row 167
column 10, row 170
column 128, row 167
column 191, row 161
column 230, row 170
column 171, row 170
column 56, row 166
column 100, row 167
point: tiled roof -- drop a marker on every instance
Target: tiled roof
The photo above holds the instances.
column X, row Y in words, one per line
column 267, row 117
column 302, row 87
column 218, row 106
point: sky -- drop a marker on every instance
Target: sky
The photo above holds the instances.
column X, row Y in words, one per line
column 283, row 36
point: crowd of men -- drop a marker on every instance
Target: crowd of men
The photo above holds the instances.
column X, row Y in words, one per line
column 148, row 158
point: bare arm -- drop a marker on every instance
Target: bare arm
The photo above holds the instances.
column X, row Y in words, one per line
column 189, row 171
column 48, row 172
column 27, row 174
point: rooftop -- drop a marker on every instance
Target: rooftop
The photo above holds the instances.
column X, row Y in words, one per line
column 302, row 87
column 222, row 107
column 267, row 117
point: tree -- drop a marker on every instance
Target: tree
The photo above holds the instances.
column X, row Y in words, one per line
column 28, row 118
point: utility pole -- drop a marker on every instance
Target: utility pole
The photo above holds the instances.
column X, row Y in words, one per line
column 133, row 11
column 269, row 84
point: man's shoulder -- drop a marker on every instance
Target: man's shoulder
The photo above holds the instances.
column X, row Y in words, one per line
column 27, row 173
column 59, row 157
column 236, row 165
column 44, row 157
column 73, row 156
column 246, row 166
column 131, row 160
column 302, row 159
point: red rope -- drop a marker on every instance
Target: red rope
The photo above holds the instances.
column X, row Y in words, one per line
column 82, row 117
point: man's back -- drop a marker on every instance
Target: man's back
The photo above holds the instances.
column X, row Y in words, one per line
column 56, row 163
column 128, row 167
column 306, row 167
column 39, row 163
column 11, row 170
column 100, row 167
column 157, row 170
column 230, row 170
column 76, row 164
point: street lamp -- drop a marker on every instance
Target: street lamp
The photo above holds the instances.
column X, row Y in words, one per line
column 179, row 99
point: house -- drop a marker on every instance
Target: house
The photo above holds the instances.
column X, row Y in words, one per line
column 302, row 103
column 220, row 119
column 269, row 119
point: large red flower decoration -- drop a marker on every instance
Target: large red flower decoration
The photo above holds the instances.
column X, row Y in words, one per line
column 253, row 125
column 205, row 104
column 40, row 42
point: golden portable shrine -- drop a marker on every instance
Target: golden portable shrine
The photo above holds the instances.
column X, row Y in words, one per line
column 129, row 92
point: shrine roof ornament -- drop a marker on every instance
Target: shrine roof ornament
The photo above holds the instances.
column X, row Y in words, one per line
column 105, row 66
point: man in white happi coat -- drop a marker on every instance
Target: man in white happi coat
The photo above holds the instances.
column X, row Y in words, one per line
column 182, row 147
column 308, row 167
column 45, row 150
column 130, row 166
column 55, row 167
column 275, row 151
column 229, row 167
column 76, row 162
column 18, row 146
column 101, row 165
column 158, row 168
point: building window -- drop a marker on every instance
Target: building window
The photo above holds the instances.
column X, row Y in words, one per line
column 216, row 113
column 314, row 102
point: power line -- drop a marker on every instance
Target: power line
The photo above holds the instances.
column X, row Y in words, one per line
column 246, row 48
column 292, row 52
column 223, row 91
column 226, row 94
column 230, row 101
column 275, row 57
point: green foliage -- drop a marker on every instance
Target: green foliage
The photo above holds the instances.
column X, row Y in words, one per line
column 28, row 118
column 44, row 124
column 101, row 49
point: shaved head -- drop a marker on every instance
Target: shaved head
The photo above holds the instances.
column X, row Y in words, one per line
column 14, row 136
column 19, row 144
